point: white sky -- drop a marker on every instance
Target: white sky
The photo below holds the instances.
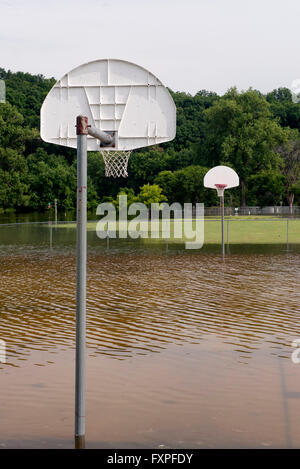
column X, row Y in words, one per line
column 188, row 44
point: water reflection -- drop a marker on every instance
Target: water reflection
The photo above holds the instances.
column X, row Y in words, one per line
column 170, row 336
column 138, row 304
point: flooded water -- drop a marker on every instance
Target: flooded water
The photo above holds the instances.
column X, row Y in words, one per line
column 184, row 350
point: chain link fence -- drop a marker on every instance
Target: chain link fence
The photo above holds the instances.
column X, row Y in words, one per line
column 280, row 211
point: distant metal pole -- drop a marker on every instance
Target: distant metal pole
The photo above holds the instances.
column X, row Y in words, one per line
column 287, row 234
column 55, row 207
column 222, row 222
column 82, row 131
column 167, row 234
column 107, row 240
column 50, row 222
column 227, row 236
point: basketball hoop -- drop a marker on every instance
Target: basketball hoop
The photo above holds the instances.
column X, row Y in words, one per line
column 118, row 106
column 230, row 179
column 116, row 162
column 220, row 189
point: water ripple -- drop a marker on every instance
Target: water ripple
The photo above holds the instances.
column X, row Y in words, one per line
column 138, row 304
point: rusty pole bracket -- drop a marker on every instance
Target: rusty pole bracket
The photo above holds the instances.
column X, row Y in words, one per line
column 81, row 125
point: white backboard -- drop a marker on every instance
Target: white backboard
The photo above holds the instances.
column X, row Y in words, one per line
column 221, row 175
column 116, row 96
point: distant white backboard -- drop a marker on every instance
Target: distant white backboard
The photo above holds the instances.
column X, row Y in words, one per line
column 117, row 97
column 221, row 176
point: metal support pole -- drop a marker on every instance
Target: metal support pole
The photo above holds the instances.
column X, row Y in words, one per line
column 227, row 236
column 222, row 222
column 167, row 226
column 50, row 227
column 107, row 240
column 287, row 234
column 55, row 207
column 82, row 131
column 104, row 137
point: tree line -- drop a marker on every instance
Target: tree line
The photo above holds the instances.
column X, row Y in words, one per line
column 257, row 135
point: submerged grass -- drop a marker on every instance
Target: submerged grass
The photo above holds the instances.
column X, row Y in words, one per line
column 240, row 230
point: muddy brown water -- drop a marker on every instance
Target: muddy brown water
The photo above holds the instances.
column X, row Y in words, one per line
column 183, row 350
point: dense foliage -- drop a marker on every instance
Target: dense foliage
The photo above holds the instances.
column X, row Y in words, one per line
column 258, row 136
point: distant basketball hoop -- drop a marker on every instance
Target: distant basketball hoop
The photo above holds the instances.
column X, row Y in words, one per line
column 221, row 178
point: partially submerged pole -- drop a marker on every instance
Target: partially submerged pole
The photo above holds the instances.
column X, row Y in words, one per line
column 220, row 190
column 222, row 221
column 55, row 207
column 50, row 229
column 82, row 131
column 227, row 236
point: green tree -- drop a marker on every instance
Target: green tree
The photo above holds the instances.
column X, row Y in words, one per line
column 189, row 183
column 145, row 165
column 290, row 153
column 151, row 194
column 186, row 185
column 167, row 180
column 190, row 117
column 26, row 92
column 14, row 136
column 50, row 178
column 282, row 107
column 131, row 198
column 243, row 130
column 243, row 134
column 266, row 188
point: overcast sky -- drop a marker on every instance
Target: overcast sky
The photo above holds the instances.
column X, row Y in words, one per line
column 188, row 44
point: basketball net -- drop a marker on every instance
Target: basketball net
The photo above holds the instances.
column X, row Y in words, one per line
column 116, row 162
column 220, row 189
